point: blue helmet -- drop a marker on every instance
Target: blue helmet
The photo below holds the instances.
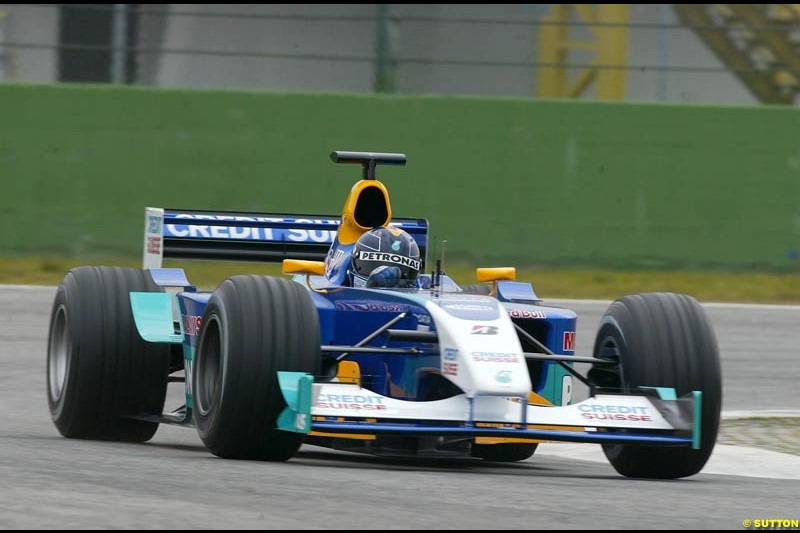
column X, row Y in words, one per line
column 385, row 257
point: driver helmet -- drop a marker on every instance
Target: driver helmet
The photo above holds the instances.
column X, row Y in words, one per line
column 385, row 257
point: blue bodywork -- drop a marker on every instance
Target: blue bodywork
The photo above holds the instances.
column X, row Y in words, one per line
column 348, row 315
column 433, row 384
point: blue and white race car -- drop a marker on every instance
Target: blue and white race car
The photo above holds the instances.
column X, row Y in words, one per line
column 430, row 369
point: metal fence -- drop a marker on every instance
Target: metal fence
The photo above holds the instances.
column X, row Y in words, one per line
column 666, row 52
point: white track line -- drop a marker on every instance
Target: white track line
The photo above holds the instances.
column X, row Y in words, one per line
column 27, row 287
column 713, row 305
column 770, row 413
column 725, row 459
column 558, row 301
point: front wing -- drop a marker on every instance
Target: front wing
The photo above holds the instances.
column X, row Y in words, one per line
column 653, row 417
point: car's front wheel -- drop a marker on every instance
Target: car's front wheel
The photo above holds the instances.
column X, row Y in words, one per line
column 663, row 340
column 253, row 327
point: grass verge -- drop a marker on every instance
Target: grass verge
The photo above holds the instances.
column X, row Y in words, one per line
column 548, row 283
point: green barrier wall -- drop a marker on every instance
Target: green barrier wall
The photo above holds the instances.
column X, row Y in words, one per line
column 503, row 180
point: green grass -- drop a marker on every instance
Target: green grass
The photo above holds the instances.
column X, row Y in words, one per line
column 548, row 283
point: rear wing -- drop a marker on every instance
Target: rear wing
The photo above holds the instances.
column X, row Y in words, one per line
column 225, row 235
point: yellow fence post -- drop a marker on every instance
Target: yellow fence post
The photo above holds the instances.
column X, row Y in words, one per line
column 608, row 42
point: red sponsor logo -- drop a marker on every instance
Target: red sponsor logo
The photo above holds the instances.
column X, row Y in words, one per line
column 191, row 324
column 484, row 330
column 569, row 341
column 524, row 313
column 450, row 369
column 351, row 406
column 153, row 245
column 494, row 357
column 617, row 416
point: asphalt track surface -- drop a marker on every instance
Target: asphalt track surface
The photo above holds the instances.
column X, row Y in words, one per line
column 49, row 482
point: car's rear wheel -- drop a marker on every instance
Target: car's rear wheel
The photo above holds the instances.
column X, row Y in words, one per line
column 99, row 370
column 662, row 340
column 253, row 327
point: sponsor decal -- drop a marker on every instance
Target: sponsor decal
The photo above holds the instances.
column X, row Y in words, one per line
column 369, row 307
column 484, row 330
column 615, row 412
column 353, row 402
column 313, row 235
column 524, row 313
column 198, row 231
column 384, row 257
column 333, row 259
column 153, row 224
column 191, row 225
column 475, row 309
column 569, row 341
column 495, row 357
column 422, row 319
column 187, row 366
column 566, row 390
column 396, row 246
column 504, row 376
column 450, row 369
column 449, row 365
column 607, row 416
column 153, row 245
column 220, row 232
column 191, row 324
column 153, row 234
column 468, row 307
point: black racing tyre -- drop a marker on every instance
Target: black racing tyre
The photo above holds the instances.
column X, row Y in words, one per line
column 663, row 340
column 478, row 288
column 509, row 452
column 253, row 326
column 99, row 370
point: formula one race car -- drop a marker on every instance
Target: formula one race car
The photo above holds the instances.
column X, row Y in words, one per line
column 424, row 368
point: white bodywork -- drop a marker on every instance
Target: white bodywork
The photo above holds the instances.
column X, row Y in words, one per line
column 153, row 237
column 482, row 355
column 480, row 350
column 602, row 411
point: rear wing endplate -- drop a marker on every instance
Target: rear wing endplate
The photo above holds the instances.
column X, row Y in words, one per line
column 225, row 235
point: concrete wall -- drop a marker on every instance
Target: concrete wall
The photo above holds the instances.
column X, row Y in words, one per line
column 250, row 50
column 253, row 33
column 676, row 47
column 34, row 25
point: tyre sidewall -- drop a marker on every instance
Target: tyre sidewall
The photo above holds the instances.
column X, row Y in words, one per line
column 60, row 415
column 207, row 420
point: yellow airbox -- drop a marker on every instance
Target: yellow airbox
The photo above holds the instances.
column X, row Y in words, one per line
column 496, row 274
column 297, row 266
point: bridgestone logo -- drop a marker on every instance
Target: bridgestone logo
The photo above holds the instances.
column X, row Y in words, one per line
column 389, row 258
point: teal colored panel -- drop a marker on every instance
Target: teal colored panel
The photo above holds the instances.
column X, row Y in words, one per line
column 296, row 388
column 152, row 312
column 665, row 393
column 552, row 391
column 698, row 419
